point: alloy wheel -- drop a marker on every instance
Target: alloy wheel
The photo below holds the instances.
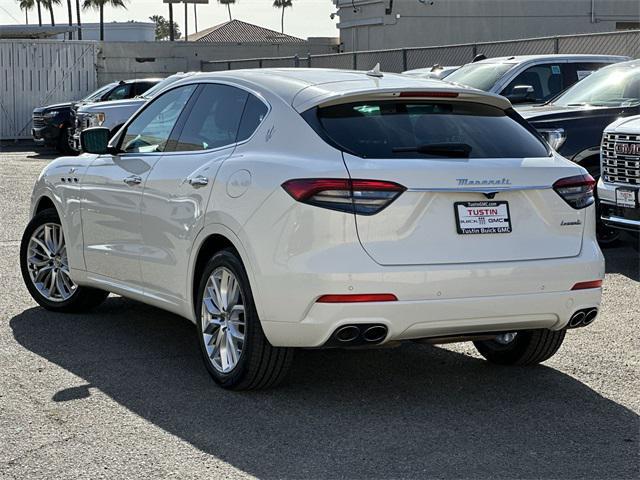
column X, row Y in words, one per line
column 223, row 320
column 48, row 263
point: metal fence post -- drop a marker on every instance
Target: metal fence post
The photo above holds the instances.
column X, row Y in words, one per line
column 404, row 60
column 474, row 51
column 355, row 61
column 296, row 61
column 260, row 63
column 556, row 45
column 309, row 59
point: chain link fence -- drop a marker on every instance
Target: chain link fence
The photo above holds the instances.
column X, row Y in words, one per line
column 401, row 59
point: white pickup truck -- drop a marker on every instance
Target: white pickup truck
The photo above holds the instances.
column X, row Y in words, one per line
column 619, row 185
column 114, row 114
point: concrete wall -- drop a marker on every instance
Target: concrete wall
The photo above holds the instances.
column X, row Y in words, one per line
column 122, row 60
column 441, row 22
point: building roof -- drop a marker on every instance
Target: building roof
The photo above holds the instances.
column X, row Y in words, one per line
column 34, row 31
column 237, row 31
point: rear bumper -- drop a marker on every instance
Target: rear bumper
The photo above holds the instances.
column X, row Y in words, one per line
column 432, row 318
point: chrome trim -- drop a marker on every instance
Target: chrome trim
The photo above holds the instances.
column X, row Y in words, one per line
column 480, row 189
column 622, row 221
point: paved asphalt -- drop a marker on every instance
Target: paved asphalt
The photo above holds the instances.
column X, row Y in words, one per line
column 122, row 393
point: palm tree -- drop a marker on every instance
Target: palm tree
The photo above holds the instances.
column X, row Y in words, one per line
column 78, row 18
column 70, row 11
column 49, row 5
column 27, row 5
column 228, row 4
column 39, row 12
column 99, row 5
column 282, row 4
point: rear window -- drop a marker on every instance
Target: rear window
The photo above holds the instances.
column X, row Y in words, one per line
column 425, row 129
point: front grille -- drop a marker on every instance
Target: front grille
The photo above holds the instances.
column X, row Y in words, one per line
column 38, row 121
column 617, row 167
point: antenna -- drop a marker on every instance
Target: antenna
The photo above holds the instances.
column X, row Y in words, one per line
column 375, row 71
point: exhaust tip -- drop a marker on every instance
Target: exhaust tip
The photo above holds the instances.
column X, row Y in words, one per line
column 377, row 333
column 347, row 333
column 577, row 319
column 590, row 317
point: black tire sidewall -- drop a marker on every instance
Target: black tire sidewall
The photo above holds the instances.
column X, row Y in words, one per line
column 505, row 354
column 253, row 334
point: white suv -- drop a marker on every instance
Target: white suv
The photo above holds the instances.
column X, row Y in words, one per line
column 619, row 185
column 284, row 208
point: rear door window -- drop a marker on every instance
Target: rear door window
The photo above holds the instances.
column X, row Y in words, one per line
column 425, row 129
column 120, row 92
column 254, row 112
column 214, row 119
column 141, row 87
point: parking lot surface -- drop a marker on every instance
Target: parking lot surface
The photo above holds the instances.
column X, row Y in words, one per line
column 122, row 393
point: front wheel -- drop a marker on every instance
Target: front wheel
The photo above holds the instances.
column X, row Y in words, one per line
column 521, row 348
column 234, row 348
column 45, row 267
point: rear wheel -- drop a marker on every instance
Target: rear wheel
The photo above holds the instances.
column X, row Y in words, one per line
column 235, row 350
column 63, row 145
column 45, row 267
column 521, row 348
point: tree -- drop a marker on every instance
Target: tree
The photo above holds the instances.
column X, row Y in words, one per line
column 162, row 27
column 282, row 4
column 228, row 4
column 49, row 5
column 99, row 5
column 27, row 5
column 70, row 11
column 78, row 17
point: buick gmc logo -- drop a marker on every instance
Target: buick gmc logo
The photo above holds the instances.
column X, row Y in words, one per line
column 627, row 148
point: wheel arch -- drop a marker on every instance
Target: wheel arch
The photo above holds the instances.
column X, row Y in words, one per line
column 44, row 203
column 212, row 239
column 589, row 157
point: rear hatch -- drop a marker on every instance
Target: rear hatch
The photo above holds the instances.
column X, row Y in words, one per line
column 478, row 182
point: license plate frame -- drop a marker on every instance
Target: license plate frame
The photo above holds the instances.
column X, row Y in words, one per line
column 486, row 224
column 626, row 198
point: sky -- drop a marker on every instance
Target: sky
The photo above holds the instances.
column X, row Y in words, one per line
column 307, row 18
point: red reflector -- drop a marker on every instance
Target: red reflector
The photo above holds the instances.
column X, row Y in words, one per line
column 586, row 285
column 430, row 94
column 358, row 297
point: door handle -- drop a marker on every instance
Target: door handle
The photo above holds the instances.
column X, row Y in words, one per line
column 198, row 181
column 133, row 180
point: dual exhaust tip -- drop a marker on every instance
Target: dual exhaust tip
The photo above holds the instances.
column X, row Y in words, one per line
column 360, row 334
column 583, row 317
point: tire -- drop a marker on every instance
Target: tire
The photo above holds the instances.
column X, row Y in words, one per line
column 63, row 146
column 68, row 297
column 258, row 364
column 529, row 347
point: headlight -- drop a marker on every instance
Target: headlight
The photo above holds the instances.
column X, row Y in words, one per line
column 554, row 137
column 96, row 119
column 51, row 114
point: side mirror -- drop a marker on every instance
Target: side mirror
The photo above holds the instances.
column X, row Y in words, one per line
column 95, row 140
column 522, row 94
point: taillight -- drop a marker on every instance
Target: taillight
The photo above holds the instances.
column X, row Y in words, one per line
column 576, row 191
column 364, row 197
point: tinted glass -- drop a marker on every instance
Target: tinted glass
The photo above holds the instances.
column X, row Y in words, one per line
column 97, row 95
column 615, row 86
column 254, row 112
column 120, row 92
column 153, row 91
column 546, row 81
column 480, row 75
column 141, row 87
column 150, row 131
column 214, row 119
column 398, row 129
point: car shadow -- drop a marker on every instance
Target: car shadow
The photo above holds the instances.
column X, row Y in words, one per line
column 624, row 260
column 411, row 411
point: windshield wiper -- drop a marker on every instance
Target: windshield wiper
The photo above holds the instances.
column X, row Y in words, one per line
column 452, row 150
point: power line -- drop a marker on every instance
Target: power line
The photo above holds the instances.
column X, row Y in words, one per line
column 9, row 13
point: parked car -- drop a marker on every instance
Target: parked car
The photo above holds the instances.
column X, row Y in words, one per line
column 531, row 78
column 573, row 123
column 114, row 114
column 619, row 184
column 437, row 72
column 281, row 208
column 53, row 125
